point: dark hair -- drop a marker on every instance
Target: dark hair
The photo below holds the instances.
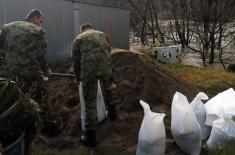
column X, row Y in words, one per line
column 86, row 26
column 33, row 13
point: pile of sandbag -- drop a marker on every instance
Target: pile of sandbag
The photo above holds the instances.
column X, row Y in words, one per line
column 190, row 124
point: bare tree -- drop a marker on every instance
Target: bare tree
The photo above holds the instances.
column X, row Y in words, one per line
column 147, row 11
column 212, row 17
column 201, row 20
column 200, row 25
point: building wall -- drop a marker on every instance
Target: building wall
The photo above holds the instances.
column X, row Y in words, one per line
column 58, row 22
column 63, row 19
column 111, row 20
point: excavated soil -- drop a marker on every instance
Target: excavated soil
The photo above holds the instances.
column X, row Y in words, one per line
column 137, row 77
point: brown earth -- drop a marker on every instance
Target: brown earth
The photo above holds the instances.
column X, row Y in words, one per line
column 137, row 77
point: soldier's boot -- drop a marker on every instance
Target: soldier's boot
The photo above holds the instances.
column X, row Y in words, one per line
column 27, row 150
column 112, row 112
column 29, row 136
column 88, row 138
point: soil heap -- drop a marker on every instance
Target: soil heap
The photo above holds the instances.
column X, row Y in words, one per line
column 141, row 77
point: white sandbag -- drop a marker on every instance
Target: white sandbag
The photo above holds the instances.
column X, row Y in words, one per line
column 222, row 134
column 152, row 135
column 184, row 125
column 100, row 105
column 200, row 112
column 224, row 101
column 82, row 105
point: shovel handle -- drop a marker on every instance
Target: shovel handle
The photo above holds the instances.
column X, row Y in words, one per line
column 63, row 75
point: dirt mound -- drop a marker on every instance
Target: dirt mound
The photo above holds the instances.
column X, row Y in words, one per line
column 140, row 77
column 137, row 77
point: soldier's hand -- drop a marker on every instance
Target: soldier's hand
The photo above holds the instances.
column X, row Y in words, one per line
column 1, row 149
column 77, row 82
column 49, row 72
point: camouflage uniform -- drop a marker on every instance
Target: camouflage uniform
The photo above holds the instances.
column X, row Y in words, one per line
column 24, row 47
column 1, row 48
column 92, row 61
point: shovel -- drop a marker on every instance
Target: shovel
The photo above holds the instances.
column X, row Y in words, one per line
column 63, row 75
column 45, row 78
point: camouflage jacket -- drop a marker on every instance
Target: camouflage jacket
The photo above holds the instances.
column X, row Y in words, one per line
column 1, row 47
column 23, row 48
column 89, row 45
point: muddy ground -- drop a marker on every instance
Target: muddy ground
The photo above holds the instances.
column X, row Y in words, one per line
column 137, row 77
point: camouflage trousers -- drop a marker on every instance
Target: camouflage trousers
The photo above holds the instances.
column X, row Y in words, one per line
column 33, row 87
column 91, row 71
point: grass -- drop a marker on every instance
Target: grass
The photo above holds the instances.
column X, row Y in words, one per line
column 224, row 151
column 37, row 150
column 210, row 81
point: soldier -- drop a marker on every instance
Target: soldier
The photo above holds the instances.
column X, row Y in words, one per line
column 92, row 61
column 23, row 47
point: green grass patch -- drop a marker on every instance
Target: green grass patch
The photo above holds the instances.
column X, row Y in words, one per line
column 210, row 81
column 223, row 151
